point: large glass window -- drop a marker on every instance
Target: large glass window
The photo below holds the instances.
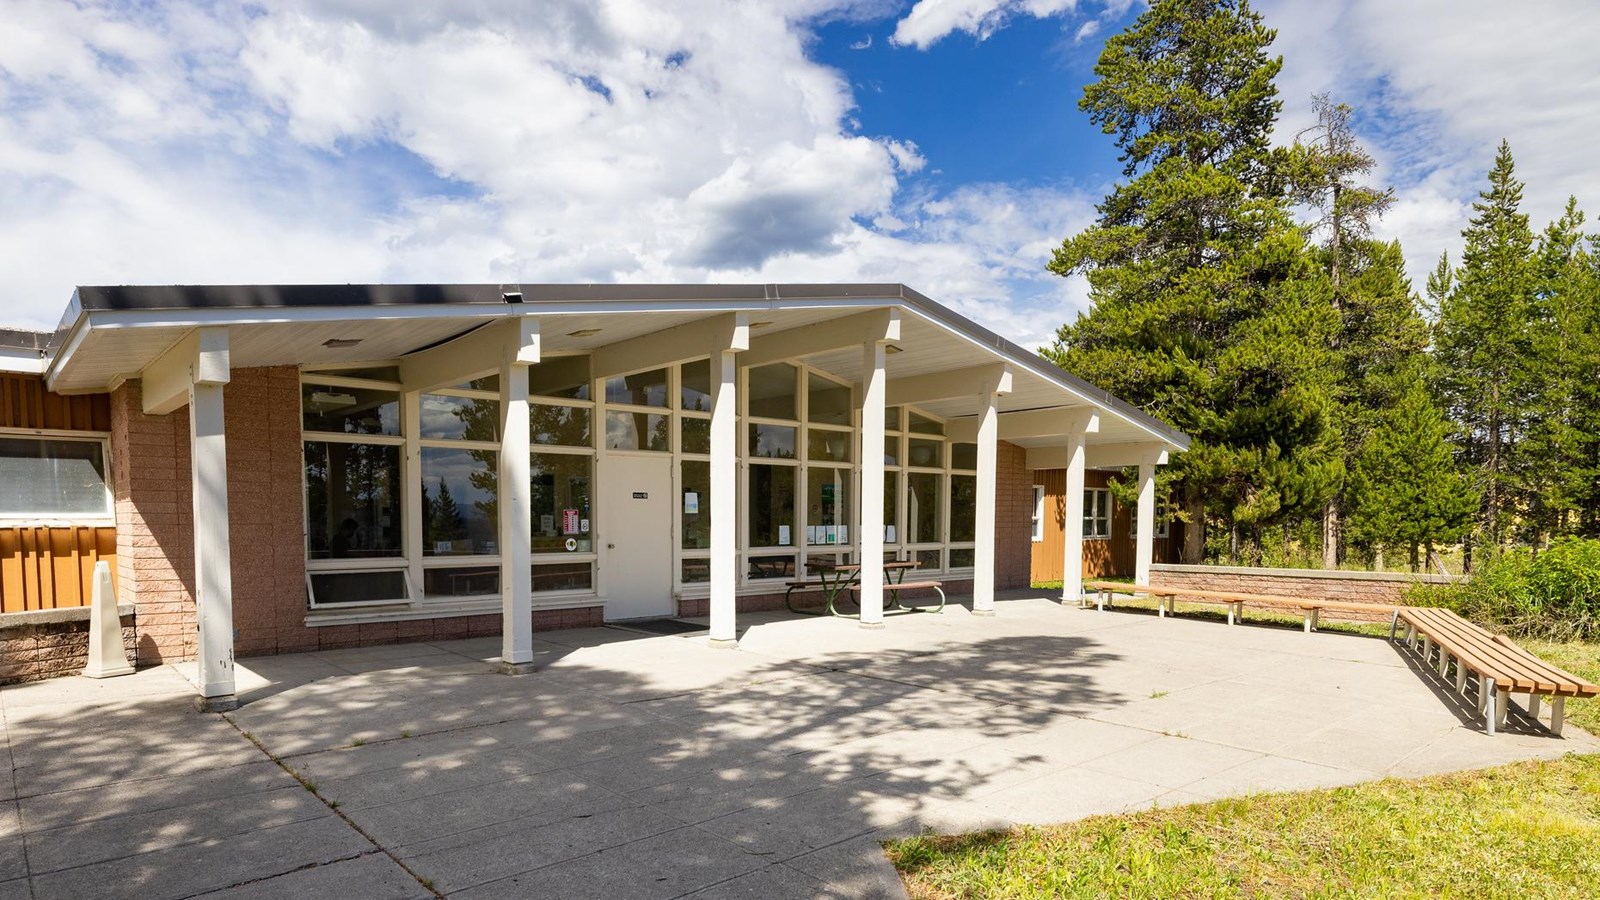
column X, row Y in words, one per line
column 561, row 426
column 772, row 392
column 52, row 477
column 771, row 504
column 964, row 456
column 923, row 504
column 638, row 431
column 696, row 505
column 772, row 441
column 827, row 506
column 459, row 418
column 353, row 500
column 829, row 446
column 344, row 409
column 565, row 377
column 639, row 389
column 563, row 514
column 695, row 386
column 963, row 507
column 827, row 402
column 459, row 512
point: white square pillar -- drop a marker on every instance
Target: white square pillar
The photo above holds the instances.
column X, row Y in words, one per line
column 1144, row 541
column 213, row 566
column 988, row 460
column 1072, row 522
column 516, row 521
column 724, row 498
column 874, row 390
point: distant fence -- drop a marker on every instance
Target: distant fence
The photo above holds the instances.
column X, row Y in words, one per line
column 1309, row 584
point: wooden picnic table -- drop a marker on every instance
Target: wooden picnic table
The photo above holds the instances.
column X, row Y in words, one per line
column 837, row 578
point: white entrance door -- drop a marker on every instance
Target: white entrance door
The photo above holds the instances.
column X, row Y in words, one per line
column 636, row 503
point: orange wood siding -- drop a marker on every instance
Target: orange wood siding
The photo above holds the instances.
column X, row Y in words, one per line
column 24, row 403
column 49, row 567
column 1102, row 557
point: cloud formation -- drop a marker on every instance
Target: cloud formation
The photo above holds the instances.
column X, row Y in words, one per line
column 355, row 140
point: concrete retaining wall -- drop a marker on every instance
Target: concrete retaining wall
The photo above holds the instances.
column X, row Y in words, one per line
column 53, row 642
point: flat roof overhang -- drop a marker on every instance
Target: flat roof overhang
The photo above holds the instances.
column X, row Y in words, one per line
column 110, row 334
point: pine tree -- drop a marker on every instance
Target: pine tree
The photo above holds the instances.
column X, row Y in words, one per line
column 1326, row 165
column 446, row 523
column 1405, row 488
column 1482, row 342
column 1207, row 309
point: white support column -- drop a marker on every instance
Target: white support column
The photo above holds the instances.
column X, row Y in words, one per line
column 984, row 538
column 724, row 498
column 1072, row 522
column 1144, row 547
column 519, row 350
column 874, row 387
column 213, row 567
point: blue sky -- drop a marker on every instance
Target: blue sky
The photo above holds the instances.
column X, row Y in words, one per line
column 933, row 142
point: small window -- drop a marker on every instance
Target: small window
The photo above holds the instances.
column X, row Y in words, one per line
column 638, row 431
column 1038, row 513
column 349, row 410
column 459, row 418
column 639, row 389
column 828, row 403
column 963, row 558
column 577, row 576
column 772, row 392
column 560, row 426
column 1096, row 513
column 465, row 581
column 349, row 588
column 772, row 441
column 921, row 424
column 566, row 377
column 771, row 567
column 964, row 456
column 826, row 445
column 1163, row 518
column 695, row 386
column 695, row 435
column 925, row 453
column 52, row 477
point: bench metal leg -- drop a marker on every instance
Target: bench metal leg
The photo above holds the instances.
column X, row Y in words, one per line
column 1533, row 706
column 1558, row 709
column 1486, row 702
column 1312, row 616
column 1461, row 678
column 1502, row 705
column 1394, row 625
column 1232, row 615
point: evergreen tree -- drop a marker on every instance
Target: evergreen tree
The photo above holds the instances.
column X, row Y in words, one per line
column 1369, row 290
column 1405, row 488
column 1207, row 310
column 1553, row 462
column 445, row 523
column 1482, row 342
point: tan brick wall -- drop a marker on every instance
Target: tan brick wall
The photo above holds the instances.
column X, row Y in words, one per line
column 37, row 652
column 1013, row 520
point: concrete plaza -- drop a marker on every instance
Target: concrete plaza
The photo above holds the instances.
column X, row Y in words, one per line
column 658, row 766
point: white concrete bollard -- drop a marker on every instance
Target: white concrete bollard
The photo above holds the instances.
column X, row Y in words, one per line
column 107, row 657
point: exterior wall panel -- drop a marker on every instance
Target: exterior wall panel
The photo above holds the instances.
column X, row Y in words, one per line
column 1111, row 557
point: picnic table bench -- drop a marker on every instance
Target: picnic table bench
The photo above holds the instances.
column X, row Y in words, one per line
column 1500, row 666
column 837, row 579
column 1166, row 599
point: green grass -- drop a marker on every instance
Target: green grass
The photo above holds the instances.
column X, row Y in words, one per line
column 1582, row 659
column 1524, row 830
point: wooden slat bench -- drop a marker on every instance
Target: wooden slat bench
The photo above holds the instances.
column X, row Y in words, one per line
column 1500, row 666
column 1166, row 598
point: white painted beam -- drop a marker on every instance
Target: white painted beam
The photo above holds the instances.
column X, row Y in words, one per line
column 870, row 452
column 1144, row 540
column 518, row 348
column 983, row 553
column 668, row 346
column 976, row 380
column 201, row 357
column 724, row 498
column 213, row 566
column 1072, row 523
column 1101, row 456
column 481, row 350
column 833, row 334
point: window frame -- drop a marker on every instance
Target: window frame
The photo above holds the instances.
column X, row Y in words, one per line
column 1098, row 510
column 1037, row 530
column 106, row 519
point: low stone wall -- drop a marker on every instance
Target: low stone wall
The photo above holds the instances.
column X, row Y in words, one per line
column 1378, row 588
column 52, row 642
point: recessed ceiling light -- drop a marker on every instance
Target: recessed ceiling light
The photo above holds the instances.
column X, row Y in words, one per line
column 341, row 343
column 583, row 332
column 891, row 348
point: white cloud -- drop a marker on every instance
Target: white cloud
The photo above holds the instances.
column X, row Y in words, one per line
column 354, row 140
column 929, row 21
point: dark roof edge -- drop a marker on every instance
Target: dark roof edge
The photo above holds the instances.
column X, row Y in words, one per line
column 26, row 339
column 91, row 298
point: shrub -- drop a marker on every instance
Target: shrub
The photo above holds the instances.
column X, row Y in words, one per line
column 1554, row 595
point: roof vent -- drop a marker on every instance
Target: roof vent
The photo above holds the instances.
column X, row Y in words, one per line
column 341, row 343
column 511, row 296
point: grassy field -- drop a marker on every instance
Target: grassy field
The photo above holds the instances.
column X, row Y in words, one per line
column 1519, row 831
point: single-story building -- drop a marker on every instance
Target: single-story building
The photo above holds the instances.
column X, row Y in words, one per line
column 281, row 468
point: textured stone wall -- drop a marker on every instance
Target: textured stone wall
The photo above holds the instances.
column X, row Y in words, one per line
column 150, row 481
column 1013, row 520
column 34, row 652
